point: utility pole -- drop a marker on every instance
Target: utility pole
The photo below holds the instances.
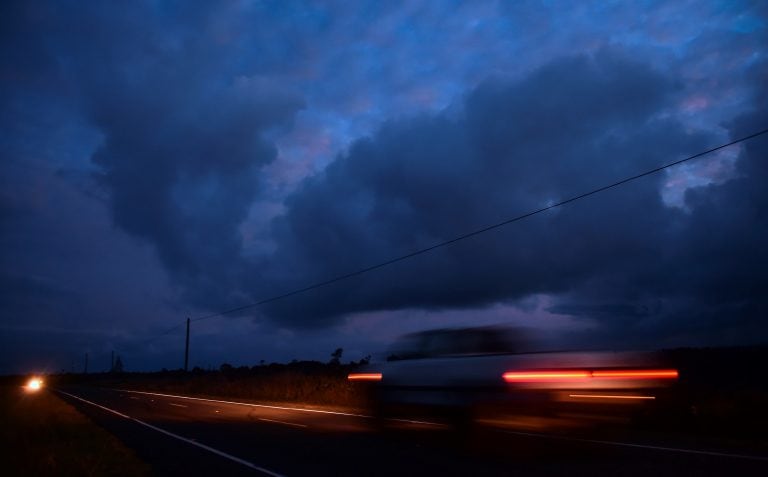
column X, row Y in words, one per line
column 186, row 350
column 85, row 370
column 112, row 364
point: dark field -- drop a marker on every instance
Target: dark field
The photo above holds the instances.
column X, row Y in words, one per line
column 43, row 435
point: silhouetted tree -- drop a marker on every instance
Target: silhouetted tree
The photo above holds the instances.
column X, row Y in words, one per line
column 336, row 356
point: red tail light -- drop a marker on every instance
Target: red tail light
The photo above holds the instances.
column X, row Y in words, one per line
column 538, row 376
column 364, row 376
column 580, row 375
column 636, row 374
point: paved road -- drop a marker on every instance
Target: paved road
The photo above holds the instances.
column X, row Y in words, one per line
column 186, row 436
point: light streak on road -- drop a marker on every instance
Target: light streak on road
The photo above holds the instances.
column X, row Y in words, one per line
column 178, row 437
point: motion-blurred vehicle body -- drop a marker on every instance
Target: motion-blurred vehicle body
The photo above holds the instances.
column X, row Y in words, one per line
column 464, row 372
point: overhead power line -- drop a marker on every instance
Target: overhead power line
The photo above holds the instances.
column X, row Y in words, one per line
column 163, row 333
column 475, row 232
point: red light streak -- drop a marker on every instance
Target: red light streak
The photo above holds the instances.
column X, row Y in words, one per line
column 637, row 373
column 364, row 377
column 579, row 375
column 533, row 376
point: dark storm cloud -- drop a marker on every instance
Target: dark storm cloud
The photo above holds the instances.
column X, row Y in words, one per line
column 136, row 115
column 706, row 281
column 183, row 136
column 27, row 295
column 183, row 150
column 513, row 147
column 183, row 170
column 146, row 146
column 624, row 258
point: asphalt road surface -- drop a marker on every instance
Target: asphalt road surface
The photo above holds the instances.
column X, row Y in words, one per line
column 183, row 436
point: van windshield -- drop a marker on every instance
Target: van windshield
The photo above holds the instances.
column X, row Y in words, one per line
column 456, row 342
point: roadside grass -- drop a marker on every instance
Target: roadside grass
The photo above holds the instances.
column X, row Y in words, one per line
column 327, row 390
column 306, row 383
column 43, row 435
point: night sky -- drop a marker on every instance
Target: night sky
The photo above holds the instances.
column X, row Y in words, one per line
column 164, row 160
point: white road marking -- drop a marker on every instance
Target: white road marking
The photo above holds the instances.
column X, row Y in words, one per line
column 283, row 422
column 638, row 446
column 177, row 405
column 319, row 411
column 283, row 408
column 97, row 405
column 176, row 436
column 426, row 423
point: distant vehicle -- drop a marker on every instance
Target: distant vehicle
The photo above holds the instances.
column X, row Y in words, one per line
column 34, row 384
column 461, row 373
